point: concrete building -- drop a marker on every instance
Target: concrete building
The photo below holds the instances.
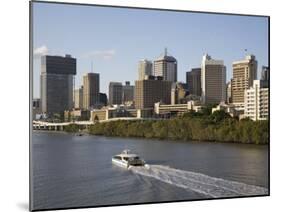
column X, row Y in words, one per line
column 178, row 92
column 56, row 87
column 115, row 93
column 244, row 73
column 91, row 89
column 78, row 98
column 256, row 101
column 119, row 112
column 152, row 90
column 103, row 99
column 128, row 93
column 76, row 115
column 231, row 109
column 193, row 80
column 144, row 69
column 265, row 73
column 36, row 108
column 192, row 97
column 166, row 66
column 213, row 79
column 99, row 115
column 228, row 93
column 170, row 110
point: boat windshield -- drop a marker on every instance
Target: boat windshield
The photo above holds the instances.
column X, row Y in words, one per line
column 117, row 157
column 134, row 158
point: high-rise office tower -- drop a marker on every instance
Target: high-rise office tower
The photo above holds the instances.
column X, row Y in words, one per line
column 56, row 87
column 256, row 101
column 228, row 93
column 213, row 78
column 265, row 73
column 78, row 98
column 166, row 67
column 115, row 93
column 144, row 68
column 91, row 89
column 128, row 92
column 244, row 73
column 193, row 80
column 36, row 107
column 178, row 93
column 103, row 99
column 150, row 91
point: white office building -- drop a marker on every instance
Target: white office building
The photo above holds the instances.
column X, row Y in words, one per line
column 256, row 101
column 144, row 68
column 244, row 73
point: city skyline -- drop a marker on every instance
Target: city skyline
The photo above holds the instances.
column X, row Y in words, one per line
column 111, row 48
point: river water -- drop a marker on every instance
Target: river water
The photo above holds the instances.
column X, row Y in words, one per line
column 76, row 171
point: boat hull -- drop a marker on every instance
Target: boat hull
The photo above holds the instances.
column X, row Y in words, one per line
column 126, row 164
column 120, row 163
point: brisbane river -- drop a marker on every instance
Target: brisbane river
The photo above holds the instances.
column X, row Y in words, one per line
column 76, row 171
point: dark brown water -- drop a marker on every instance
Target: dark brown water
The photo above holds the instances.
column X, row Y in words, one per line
column 73, row 171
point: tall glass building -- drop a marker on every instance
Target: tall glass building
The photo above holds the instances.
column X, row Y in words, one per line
column 57, row 82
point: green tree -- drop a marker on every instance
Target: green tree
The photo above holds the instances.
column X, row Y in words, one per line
column 219, row 116
column 71, row 128
column 218, row 126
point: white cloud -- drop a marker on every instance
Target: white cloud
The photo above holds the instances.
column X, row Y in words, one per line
column 40, row 51
column 104, row 54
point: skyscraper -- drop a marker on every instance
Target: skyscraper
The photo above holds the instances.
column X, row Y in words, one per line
column 256, row 101
column 213, row 78
column 166, row 67
column 228, row 92
column 150, row 91
column 193, row 80
column 36, row 107
column 178, row 92
column 56, row 85
column 265, row 73
column 115, row 93
column 78, row 98
column 145, row 68
column 128, row 92
column 244, row 73
column 103, row 99
column 91, row 89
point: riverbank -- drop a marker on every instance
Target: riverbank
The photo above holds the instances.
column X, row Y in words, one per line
column 216, row 127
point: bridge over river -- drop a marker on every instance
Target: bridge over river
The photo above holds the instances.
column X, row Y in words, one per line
column 43, row 125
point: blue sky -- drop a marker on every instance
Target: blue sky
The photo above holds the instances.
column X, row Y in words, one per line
column 115, row 39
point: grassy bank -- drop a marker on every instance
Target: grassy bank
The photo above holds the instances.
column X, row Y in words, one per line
column 218, row 126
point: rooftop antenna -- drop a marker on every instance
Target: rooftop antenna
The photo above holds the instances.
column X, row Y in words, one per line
column 165, row 51
column 92, row 66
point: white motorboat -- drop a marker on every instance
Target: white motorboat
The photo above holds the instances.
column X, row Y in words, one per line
column 126, row 159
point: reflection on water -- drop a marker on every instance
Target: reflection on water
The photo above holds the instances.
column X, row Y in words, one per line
column 73, row 171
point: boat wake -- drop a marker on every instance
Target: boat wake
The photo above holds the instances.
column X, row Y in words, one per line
column 201, row 183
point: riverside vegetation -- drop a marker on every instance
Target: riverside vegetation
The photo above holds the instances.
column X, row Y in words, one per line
column 203, row 126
